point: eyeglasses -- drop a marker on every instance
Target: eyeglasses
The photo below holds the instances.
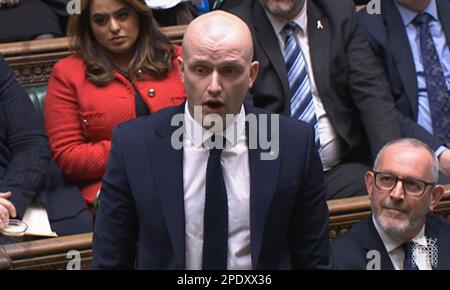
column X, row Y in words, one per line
column 411, row 186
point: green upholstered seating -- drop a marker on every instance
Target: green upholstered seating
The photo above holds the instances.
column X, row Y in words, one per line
column 37, row 97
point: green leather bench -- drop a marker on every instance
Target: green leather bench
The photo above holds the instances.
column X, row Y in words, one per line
column 37, row 97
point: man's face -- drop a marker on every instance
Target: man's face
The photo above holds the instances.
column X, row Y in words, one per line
column 287, row 9
column 398, row 213
column 217, row 75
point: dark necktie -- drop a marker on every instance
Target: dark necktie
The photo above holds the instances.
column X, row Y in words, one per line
column 215, row 221
column 408, row 263
column 302, row 105
column 437, row 90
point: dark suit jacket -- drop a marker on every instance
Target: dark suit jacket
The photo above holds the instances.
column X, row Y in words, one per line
column 389, row 41
column 142, row 203
column 349, row 82
column 26, row 168
column 350, row 249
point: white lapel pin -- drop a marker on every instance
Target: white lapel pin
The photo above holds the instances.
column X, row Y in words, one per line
column 319, row 24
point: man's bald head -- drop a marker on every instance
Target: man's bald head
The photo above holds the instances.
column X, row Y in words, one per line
column 219, row 28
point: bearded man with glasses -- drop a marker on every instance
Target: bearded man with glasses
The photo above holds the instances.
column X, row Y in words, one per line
column 402, row 233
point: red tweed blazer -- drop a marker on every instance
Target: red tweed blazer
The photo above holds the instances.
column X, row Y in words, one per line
column 79, row 116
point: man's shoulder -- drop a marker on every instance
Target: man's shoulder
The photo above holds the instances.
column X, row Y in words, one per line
column 332, row 5
column 437, row 221
column 335, row 11
column 147, row 125
column 352, row 237
column 348, row 249
column 371, row 22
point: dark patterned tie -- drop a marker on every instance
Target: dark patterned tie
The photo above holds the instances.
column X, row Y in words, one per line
column 438, row 94
column 408, row 263
column 215, row 221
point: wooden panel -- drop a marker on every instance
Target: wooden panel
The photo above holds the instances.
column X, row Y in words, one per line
column 46, row 253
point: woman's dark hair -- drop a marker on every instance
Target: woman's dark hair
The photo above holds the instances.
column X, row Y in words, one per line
column 153, row 51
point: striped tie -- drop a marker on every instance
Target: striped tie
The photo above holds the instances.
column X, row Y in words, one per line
column 302, row 105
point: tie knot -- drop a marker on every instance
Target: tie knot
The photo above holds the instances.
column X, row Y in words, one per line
column 215, row 144
column 289, row 28
column 422, row 18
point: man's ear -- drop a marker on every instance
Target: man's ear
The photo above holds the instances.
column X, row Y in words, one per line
column 369, row 181
column 254, row 68
column 181, row 67
column 436, row 194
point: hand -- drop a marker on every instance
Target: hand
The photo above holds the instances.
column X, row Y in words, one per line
column 444, row 162
column 7, row 209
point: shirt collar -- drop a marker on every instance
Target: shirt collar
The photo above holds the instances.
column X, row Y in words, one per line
column 300, row 19
column 408, row 15
column 392, row 243
column 198, row 135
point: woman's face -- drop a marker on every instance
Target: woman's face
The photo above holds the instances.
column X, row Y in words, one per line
column 115, row 26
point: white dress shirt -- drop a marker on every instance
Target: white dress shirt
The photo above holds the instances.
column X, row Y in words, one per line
column 397, row 254
column 329, row 141
column 236, row 173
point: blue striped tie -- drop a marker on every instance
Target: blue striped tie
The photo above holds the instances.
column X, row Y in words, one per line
column 302, row 106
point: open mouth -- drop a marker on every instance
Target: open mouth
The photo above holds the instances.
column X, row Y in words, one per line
column 213, row 104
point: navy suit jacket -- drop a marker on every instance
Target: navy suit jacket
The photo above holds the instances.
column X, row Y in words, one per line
column 354, row 95
column 389, row 41
column 142, row 202
column 350, row 249
column 26, row 168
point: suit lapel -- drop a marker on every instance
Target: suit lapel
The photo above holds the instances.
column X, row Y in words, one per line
column 401, row 49
column 319, row 48
column 443, row 7
column 433, row 231
column 167, row 168
column 268, row 41
column 372, row 241
column 263, row 181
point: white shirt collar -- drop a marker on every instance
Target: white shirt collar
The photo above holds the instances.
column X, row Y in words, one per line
column 392, row 243
column 198, row 135
column 408, row 15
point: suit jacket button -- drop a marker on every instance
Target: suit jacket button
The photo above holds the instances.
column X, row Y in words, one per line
column 151, row 92
column 85, row 121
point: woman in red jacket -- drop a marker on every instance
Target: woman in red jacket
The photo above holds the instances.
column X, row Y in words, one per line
column 123, row 67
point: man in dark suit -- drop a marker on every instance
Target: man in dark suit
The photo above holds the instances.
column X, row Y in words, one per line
column 402, row 233
column 395, row 37
column 27, row 174
column 181, row 205
column 354, row 113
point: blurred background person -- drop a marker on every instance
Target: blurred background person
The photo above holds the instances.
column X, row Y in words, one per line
column 180, row 12
column 123, row 67
column 27, row 174
column 32, row 19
